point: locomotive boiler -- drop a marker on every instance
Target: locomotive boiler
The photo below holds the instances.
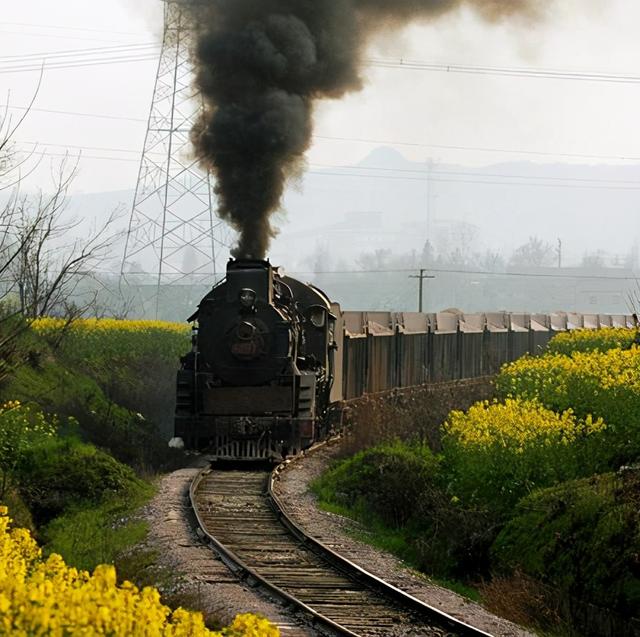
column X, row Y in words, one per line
column 257, row 382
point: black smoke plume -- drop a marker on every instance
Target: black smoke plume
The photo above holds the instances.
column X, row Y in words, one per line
column 261, row 65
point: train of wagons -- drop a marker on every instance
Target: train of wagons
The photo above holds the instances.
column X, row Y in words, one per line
column 271, row 355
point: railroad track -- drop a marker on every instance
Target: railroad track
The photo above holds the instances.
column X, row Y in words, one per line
column 246, row 524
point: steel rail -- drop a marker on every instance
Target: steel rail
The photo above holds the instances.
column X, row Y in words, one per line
column 254, row 579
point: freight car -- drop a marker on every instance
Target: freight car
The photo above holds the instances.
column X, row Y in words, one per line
column 257, row 382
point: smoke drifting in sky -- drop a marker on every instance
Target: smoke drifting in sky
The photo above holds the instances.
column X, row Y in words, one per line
column 262, row 64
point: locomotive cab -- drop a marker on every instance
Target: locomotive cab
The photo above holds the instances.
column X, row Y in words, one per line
column 257, row 382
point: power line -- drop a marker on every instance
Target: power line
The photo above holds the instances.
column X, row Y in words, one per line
column 45, row 153
column 416, row 65
column 68, row 28
column 81, row 52
column 53, row 36
column 100, row 148
column 78, row 64
column 451, row 173
column 430, row 174
column 475, row 148
column 588, row 277
column 470, row 181
column 377, row 177
column 74, row 113
column 409, row 65
column 73, row 58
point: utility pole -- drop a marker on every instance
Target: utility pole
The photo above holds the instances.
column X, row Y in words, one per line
column 422, row 276
column 559, row 253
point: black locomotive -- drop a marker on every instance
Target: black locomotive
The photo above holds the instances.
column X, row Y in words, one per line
column 257, row 382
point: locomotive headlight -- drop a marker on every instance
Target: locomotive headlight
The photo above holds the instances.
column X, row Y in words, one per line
column 318, row 316
column 248, row 298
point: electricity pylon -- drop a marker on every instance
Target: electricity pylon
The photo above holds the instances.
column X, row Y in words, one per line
column 174, row 236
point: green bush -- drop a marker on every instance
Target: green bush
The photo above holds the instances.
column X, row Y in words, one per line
column 582, row 537
column 396, row 490
column 63, row 473
column 393, row 482
column 133, row 362
column 592, row 340
column 129, row 436
column 21, row 427
column 13, row 349
column 20, row 513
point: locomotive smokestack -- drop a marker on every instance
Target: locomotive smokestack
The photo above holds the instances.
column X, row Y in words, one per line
column 262, row 65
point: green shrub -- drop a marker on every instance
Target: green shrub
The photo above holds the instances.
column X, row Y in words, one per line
column 592, row 340
column 19, row 512
column 21, row 427
column 129, row 436
column 396, row 492
column 63, row 473
column 12, row 329
column 496, row 453
column 393, row 482
column 133, row 362
column 582, row 537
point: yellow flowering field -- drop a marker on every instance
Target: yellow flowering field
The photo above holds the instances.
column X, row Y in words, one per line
column 605, row 384
column 108, row 338
column 134, row 363
column 592, row 340
column 46, row 597
column 498, row 452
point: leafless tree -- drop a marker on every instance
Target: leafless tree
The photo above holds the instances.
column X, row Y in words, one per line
column 11, row 169
column 534, row 253
column 51, row 266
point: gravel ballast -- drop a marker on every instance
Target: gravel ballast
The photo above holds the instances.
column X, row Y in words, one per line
column 198, row 572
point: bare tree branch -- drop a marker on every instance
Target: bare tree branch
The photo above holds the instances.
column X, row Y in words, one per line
column 12, row 130
column 45, row 259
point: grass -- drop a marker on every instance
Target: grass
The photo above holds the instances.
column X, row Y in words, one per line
column 88, row 535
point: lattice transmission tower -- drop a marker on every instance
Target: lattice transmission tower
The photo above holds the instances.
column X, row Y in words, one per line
column 174, row 236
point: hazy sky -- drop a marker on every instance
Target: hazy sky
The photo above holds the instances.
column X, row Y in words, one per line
column 420, row 112
column 552, row 116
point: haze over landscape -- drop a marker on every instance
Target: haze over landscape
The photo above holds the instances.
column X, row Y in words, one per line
column 463, row 136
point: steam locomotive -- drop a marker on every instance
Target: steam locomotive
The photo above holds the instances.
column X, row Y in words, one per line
column 257, row 382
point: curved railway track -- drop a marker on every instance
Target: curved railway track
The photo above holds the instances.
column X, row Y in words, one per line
column 246, row 524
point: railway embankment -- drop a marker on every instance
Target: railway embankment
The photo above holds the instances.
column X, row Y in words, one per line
column 76, row 436
column 533, row 494
column 83, row 429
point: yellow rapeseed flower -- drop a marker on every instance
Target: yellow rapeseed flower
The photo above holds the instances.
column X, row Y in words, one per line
column 592, row 340
column 516, row 424
column 46, row 597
